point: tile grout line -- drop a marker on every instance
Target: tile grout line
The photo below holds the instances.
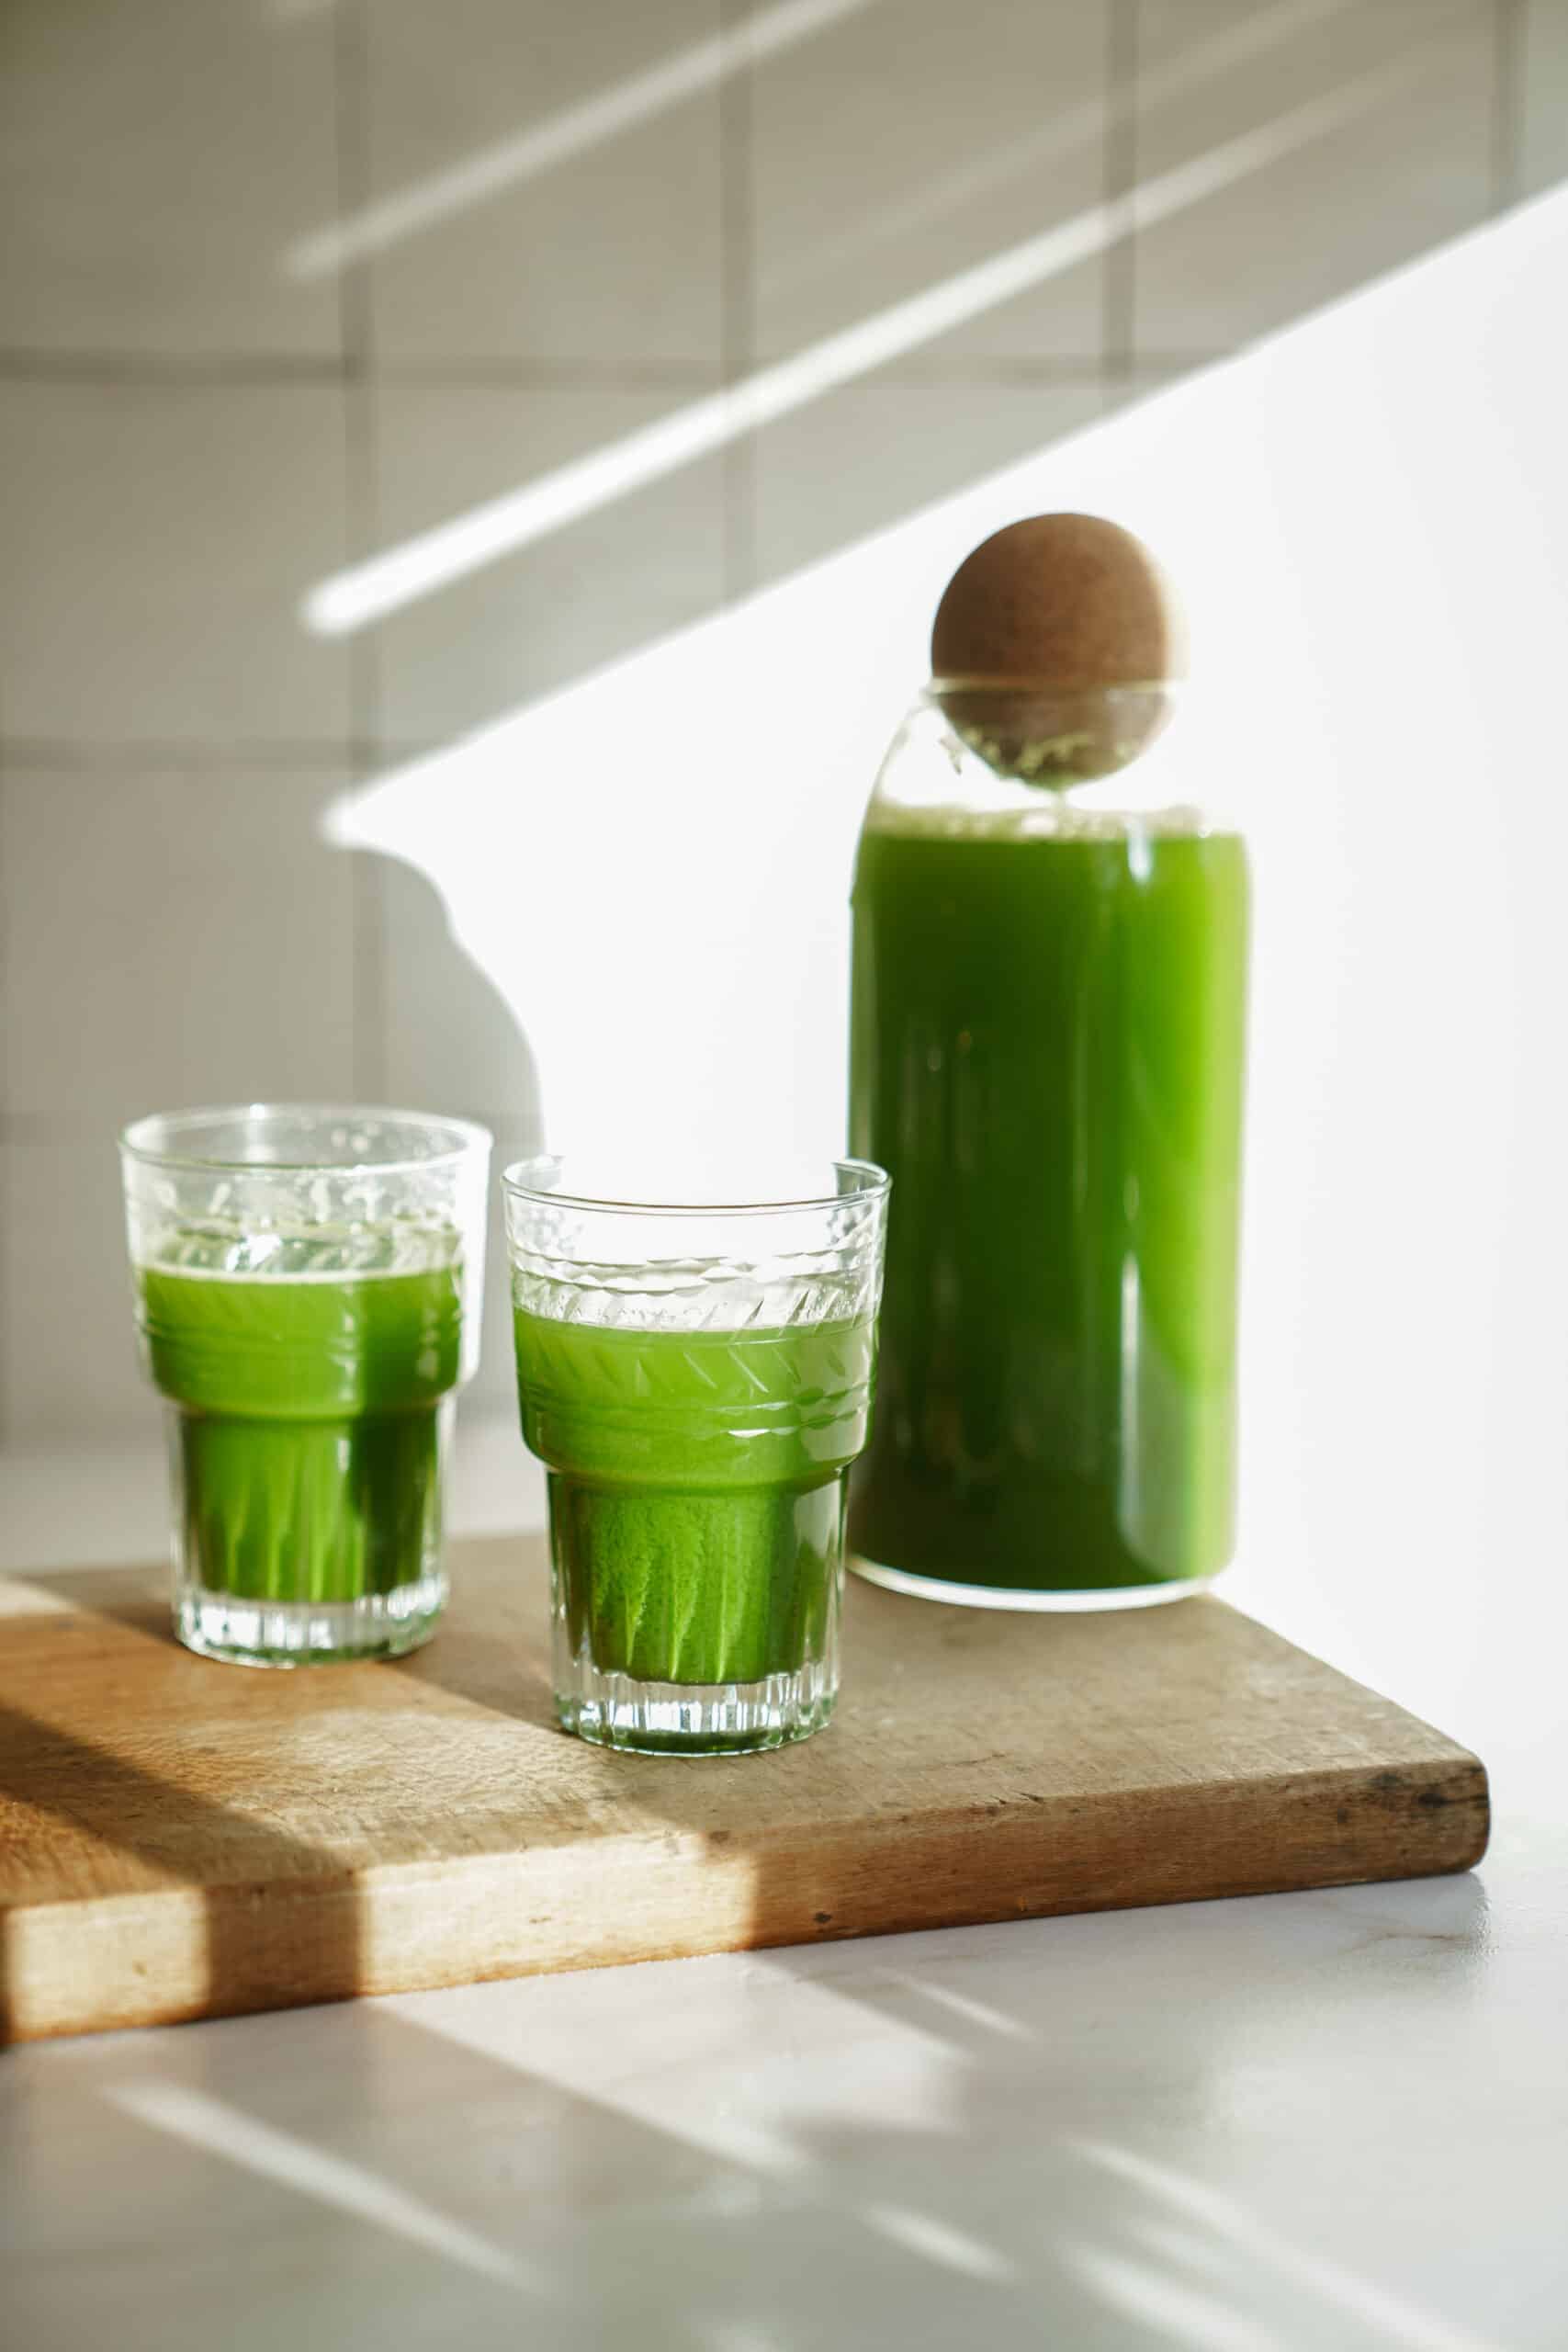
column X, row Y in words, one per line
column 171, row 370
column 1507, row 96
column 356, row 332
column 737, row 228
column 1118, row 263
column 5, row 761
column 129, row 755
column 110, row 371
column 476, row 371
column 4, row 1103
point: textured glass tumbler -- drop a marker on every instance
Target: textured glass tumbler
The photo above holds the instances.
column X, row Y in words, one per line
column 308, row 1281
column 697, row 1379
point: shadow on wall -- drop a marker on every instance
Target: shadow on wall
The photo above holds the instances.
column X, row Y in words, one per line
column 439, row 1035
column 445, row 1036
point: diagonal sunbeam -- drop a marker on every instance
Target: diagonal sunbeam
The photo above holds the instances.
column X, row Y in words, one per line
column 1080, row 125
column 386, row 584
column 1239, row 2230
column 511, row 162
column 210, row 2123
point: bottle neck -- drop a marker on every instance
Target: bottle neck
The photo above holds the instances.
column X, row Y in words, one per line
column 1051, row 734
column 1098, row 761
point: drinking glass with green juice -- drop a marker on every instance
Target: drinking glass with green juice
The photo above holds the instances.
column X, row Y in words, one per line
column 308, row 1286
column 1047, row 1053
column 696, row 1374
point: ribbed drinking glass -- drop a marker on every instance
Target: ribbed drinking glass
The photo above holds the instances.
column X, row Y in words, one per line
column 697, row 1377
column 307, row 1282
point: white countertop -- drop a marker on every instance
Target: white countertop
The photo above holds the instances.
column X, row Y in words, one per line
column 1334, row 2120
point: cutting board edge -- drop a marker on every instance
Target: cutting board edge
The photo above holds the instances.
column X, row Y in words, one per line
column 1448, row 1815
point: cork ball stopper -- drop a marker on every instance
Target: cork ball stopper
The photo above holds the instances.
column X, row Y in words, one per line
column 1053, row 646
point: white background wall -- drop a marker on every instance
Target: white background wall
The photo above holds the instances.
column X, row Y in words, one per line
column 574, row 830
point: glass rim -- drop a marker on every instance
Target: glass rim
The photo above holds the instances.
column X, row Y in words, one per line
column 135, row 1144
column 876, row 1185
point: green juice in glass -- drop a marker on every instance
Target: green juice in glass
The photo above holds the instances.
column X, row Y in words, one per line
column 308, row 1423
column 1047, row 1046
column 696, row 1487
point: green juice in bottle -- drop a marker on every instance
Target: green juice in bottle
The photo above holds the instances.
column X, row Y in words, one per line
column 1047, row 1046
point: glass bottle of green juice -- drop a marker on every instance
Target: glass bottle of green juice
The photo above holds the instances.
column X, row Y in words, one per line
column 1047, row 1044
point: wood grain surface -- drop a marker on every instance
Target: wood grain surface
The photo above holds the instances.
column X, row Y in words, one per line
column 183, row 1840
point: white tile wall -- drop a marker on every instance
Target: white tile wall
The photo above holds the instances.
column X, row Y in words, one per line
column 610, row 256
column 1543, row 96
column 1410, row 163
column 636, row 570
column 915, row 138
column 891, row 449
column 281, row 287
column 169, row 939
column 157, row 161
column 67, row 1344
column 158, row 539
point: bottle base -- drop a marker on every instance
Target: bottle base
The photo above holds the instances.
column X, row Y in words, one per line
column 692, row 1718
column 243, row 1632
column 996, row 1596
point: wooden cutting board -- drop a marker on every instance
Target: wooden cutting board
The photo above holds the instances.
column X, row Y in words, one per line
column 184, row 1839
